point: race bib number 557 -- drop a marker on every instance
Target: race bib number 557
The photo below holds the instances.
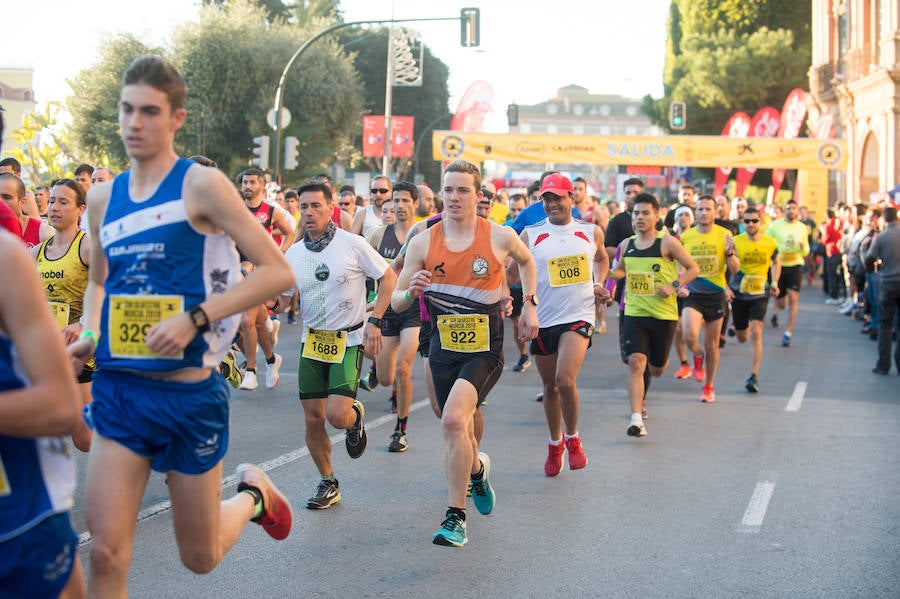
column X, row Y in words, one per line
column 131, row 316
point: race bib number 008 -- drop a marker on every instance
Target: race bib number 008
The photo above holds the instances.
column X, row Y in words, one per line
column 325, row 346
column 131, row 316
column 60, row 311
column 568, row 270
column 464, row 332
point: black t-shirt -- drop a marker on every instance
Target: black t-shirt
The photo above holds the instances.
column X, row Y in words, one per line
column 621, row 228
column 731, row 225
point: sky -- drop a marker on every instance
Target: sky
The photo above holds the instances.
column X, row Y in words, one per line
column 526, row 52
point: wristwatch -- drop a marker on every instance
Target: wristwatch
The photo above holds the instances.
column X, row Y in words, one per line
column 531, row 298
column 200, row 319
column 376, row 321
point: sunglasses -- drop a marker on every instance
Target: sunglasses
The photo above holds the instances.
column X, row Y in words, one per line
column 751, row 220
column 380, row 190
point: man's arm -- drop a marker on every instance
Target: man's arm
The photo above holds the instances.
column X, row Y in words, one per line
column 673, row 250
column 413, row 279
column 513, row 246
column 601, row 257
column 359, row 217
column 375, row 237
column 346, row 221
column 287, row 233
column 618, row 270
column 48, row 405
column 372, row 340
column 775, row 269
column 732, row 262
column 213, row 204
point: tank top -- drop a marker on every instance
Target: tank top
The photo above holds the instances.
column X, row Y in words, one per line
column 465, row 286
column 159, row 266
column 263, row 214
column 646, row 270
column 65, row 280
column 390, row 245
column 371, row 221
column 708, row 251
column 37, row 475
column 564, row 258
column 32, row 233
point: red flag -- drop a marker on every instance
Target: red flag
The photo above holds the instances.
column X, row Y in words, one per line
column 373, row 136
column 737, row 126
column 402, row 136
column 765, row 123
column 474, row 106
column 792, row 115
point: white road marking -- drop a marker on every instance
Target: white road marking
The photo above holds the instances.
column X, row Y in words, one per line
column 796, row 397
column 291, row 456
column 756, row 509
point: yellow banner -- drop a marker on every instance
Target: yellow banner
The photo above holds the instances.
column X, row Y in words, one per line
column 813, row 191
column 675, row 150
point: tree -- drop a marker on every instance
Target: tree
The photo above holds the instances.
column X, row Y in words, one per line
column 43, row 150
column 427, row 103
column 95, row 130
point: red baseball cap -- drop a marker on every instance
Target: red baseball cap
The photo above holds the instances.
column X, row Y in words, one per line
column 557, row 184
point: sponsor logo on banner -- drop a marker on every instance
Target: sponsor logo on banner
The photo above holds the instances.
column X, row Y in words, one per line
column 452, row 146
column 765, row 123
column 829, row 154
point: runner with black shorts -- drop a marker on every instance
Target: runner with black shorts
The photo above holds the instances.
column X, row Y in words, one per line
column 751, row 287
column 791, row 237
column 458, row 264
column 649, row 261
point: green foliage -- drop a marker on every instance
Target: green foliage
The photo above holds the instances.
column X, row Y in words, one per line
column 43, row 150
column 428, row 103
column 95, row 130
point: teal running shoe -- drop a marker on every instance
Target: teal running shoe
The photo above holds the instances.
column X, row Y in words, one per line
column 452, row 532
column 482, row 493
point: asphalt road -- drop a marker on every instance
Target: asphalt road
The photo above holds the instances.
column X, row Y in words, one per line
column 794, row 492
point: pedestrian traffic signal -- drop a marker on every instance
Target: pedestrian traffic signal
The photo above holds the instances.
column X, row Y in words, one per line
column 261, row 152
column 512, row 115
column 470, row 27
column 291, row 154
column 677, row 115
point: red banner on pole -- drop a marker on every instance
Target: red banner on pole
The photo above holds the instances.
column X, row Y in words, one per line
column 401, row 136
column 737, row 126
column 792, row 116
column 765, row 123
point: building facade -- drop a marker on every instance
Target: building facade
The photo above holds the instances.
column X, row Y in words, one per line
column 854, row 84
column 16, row 98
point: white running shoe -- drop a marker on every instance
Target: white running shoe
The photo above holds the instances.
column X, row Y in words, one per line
column 249, row 383
column 272, row 372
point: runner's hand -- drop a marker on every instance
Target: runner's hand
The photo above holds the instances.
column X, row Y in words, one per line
column 506, row 305
column 372, row 341
column 665, row 291
column 682, row 292
column 81, row 353
column 169, row 337
column 601, row 294
column 528, row 323
column 420, row 281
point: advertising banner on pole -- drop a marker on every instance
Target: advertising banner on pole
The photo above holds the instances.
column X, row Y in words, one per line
column 765, row 123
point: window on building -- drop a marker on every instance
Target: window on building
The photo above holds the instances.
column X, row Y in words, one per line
column 551, row 129
column 605, row 130
column 578, row 129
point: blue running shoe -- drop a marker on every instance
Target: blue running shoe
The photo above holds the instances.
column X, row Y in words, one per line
column 482, row 493
column 786, row 340
column 452, row 532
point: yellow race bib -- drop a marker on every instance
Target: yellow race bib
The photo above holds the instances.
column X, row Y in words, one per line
column 5, row 489
column 641, row 283
column 131, row 316
column 790, row 257
column 325, row 346
column 568, row 270
column 709, row 265
column 464, row 332
column 60, row 311
column 753, row 285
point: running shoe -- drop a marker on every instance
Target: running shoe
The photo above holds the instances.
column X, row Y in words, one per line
column 752, row 385
column 540, row 397
column 523, row 364
column 554, row 458
column 277, row 516
column 699, row 372
column 230, row 371
column 722, row 341
column 452, row 532
column 370, row 381
column 601, row 328
column 398, row 442
column 356, row 434
column 272, row 372
column 327, row 494
column 276, row 326
column 775, row 321
column 577, row 459
column 637, row 430
column 683, row 372
column 709, row 394
column 291, row 318
column 482, row 492
column 249, row 383
column 731, row 331
column 833, row 301
column 786, row 340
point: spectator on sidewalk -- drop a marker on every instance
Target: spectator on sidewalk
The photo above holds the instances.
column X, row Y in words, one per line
column 886, row 250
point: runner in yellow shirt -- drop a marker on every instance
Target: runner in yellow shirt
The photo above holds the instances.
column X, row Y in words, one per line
column 791, row 237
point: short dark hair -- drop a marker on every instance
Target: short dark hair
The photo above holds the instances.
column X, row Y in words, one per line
column 751, row 208
column 687, row 186
column 158, row 74
column 84, row 168
column 579, row 180
column 647, row 198
column 407, row 186
column 705, row 196
column 790, row 201
column 251, row 172
column 15, row 164
column 290, row 193
column 347, row 188
column 20, row 187
column 636, row 181
column 314, row 185
column 535, row 186
column 890, row 214
column 204, row 161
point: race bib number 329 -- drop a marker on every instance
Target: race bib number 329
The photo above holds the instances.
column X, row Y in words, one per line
column 131, row 316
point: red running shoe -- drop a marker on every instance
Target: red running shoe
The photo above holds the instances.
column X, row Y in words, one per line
column 577, row 459
column 554, row 459
column 699, row 372
column 277, row 516
column 683, row 372
column 709, row 394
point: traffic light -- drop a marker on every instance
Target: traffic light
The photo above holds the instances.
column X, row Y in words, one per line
column 470, row 27
column 261, row 152
column 677, row 115
column 291, row 154
column 512, row 115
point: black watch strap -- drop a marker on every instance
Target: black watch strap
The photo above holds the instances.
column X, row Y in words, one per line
column 200, row 319
column 376, row 321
